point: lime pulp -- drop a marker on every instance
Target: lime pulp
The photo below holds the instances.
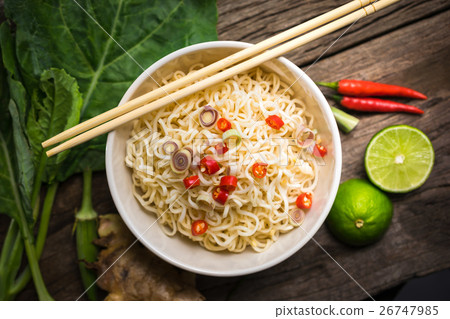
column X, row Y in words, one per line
column 399, row 159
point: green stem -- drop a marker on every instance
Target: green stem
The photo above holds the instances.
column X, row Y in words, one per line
column 13, row 230
column 37, row 184
column 45, row 218
column 345, row 121
column 14, row 262
column 7, row 248
column 21, row 282
column 36, row 207
column 86, row 232
column 27, row 237
column 86, row 212
column 32, row 258
column 338, row 98
column 25, row 276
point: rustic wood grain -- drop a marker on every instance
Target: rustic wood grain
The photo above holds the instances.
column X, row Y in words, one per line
column 255, row 20
column 406, row 44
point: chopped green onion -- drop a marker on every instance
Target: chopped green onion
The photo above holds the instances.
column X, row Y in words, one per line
column 345, row 121
column 232, row 138
column 205, row 201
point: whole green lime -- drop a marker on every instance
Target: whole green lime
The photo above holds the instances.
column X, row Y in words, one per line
column 361, row 213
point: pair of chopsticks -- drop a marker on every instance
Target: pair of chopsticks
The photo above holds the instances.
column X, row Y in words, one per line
column 108, row 121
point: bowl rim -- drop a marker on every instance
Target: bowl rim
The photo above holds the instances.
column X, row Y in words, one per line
column 332, row 190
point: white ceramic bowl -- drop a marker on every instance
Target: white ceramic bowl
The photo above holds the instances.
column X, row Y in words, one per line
column 182, row 252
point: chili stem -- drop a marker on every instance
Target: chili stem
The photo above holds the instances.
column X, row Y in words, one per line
column 331, row 85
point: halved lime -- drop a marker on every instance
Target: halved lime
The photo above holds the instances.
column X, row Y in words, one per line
column 399, row 158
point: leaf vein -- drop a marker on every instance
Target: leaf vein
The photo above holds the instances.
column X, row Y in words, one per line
column 102, row 60
column 163, row 22
column 73, row 38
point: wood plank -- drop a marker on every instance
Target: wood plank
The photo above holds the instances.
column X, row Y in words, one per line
column 417, row 242
column 255, row 20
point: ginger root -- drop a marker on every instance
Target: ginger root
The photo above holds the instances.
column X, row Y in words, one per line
column 138, row 274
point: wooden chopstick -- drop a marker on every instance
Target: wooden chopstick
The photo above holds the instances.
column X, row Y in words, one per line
column 206, row 71
column 219, row 77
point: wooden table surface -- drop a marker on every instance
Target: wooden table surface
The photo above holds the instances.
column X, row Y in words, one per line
column 405, row 44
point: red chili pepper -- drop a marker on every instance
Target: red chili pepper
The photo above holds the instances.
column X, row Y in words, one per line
column 221, row 148
column 304, row 200
column 199, row 227
column 275, row 122
column 259, row 170
column 228, row 183
column 191, row 181
column 209, row 165
column 220, row 195
column 319, row 150
column 375, row 105
column 368, row 88
column 223, row 124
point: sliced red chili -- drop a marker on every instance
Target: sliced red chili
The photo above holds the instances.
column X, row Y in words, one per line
column 319, row 150
column 223, row 124
column 259, row 170
column 228, row 183
column 191, row 181
column 221, row 148
column 199, row 227
column 209, row 165
column 220, row 195
column 304, row 200
column 275, row 122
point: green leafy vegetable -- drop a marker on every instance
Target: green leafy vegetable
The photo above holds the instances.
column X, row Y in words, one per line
column 23, row 160
column 55, row 108
column 23, row 213
column 102, row 46
column 74, row 37
column 14, row 140
column 7, row 176
column 8, row 185
column 75, row 42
